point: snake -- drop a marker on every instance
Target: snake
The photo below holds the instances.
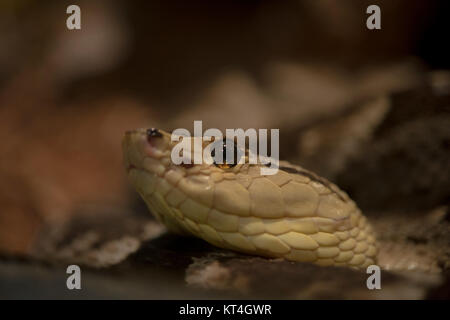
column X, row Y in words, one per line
column 294, row 214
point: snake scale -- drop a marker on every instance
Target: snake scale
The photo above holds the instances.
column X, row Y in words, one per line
column 293, row 214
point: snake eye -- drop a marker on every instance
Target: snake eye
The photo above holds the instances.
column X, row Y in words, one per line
column 151, row 133
column 225, row 164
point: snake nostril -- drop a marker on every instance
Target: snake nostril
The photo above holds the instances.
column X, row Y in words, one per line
column 130, row 132
column 153, row 133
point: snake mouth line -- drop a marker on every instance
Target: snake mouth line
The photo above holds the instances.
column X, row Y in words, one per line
column 134, row 167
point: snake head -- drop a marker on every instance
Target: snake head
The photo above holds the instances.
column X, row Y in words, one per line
column 293, row 214
column 168, row 187
column 152, row 150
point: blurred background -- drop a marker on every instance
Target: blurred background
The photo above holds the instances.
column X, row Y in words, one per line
column 368, row 109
